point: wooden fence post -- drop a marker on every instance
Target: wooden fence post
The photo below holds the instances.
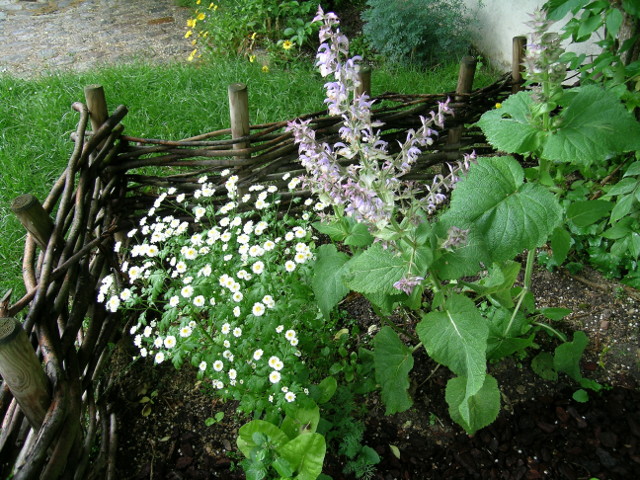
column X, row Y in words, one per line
column 33, row 217
column 97, row 105
column 465, row 84
column 364, row 75
column 239, row 113
column 21, row 370
column 517, row 66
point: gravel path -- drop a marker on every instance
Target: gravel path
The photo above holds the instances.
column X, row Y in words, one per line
column 41, row 36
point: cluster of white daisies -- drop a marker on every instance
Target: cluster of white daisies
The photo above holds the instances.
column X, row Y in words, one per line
column 206, row 279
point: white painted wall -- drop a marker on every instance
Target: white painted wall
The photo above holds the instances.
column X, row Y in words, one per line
column 498, row 21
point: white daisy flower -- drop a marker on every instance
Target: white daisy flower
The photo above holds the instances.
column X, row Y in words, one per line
column 274, row 376
column 257, row 355
column 218, row 365
column 159, row 357
column 290, row 397
column 170, row 341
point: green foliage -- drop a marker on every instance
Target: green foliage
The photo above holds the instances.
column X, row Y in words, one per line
column 417, row 31
column 284, row 451
column 591, row 126
column 252, row 26
column 393, row 362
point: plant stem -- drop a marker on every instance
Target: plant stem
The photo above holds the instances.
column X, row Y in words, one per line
column 528, row 272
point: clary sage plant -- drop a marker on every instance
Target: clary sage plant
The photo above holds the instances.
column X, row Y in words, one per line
column 418, row 246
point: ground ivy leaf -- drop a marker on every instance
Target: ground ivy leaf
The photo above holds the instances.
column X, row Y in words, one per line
column 494, row 202
column 327, row 282
column 393, row 361
column 457, row 338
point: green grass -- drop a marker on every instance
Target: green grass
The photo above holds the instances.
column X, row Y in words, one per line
column 169, row 102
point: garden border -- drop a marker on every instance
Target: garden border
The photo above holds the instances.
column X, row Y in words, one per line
column 62, row 424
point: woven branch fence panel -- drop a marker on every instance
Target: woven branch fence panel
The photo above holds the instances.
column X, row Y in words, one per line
column 57, row 418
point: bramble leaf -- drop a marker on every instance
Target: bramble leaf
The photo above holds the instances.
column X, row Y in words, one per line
column 393, row 361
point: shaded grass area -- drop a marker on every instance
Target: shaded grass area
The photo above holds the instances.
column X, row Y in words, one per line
column 170, row 101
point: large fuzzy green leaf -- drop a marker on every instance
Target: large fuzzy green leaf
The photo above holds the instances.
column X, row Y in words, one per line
column 592, row 126
column 327, row 283
column 457, row 338
column 494, row 203
column 305, row 454
column 508, row 128
column 393, row 361
column 375, row 270
column 483, row 406
column 246, row 440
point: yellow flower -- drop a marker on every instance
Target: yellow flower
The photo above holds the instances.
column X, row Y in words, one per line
column 253, row 35
column 191, row 23
column 498, row 105
column 198, row 2
column 265, row 69
column 194, row 41
column 212, row 5
column 252, row 58
column 188, row 34
column 287, row 44
column 192, row 55
column 201, row 16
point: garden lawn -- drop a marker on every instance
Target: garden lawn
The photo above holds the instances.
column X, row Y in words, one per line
column 170, row 102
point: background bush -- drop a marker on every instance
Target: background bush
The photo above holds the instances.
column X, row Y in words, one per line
column 417, row 31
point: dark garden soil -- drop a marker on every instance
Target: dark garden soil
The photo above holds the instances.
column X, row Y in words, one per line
column 540, row 433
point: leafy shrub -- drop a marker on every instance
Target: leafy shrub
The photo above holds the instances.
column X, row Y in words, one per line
column 420, row 31
column 242, row 28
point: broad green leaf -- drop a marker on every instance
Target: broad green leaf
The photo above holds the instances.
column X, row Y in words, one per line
column 622, row 208
column 509, row 129
column 246, row 442
column 620, row 229
column 587, row 212
column 626, row 185
column 558, row 9
column 567, row 356
column 483, row 406
column 325, row 390
column 375, row 270
column 336, row 230
column 493, row 202
column 305, row 454
column 592, row 126
column 359, row 235
column 542, row 364
column 327, row 282
column 300, row 421
column 560, row 244
column 393, row 361
column 500, row 277
column 589, row 23
column 283, row 467
column 457, row 338
column 633, row 170
column 613, row 22
column 464, row 260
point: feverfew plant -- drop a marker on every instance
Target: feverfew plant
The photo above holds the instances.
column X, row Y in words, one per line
column 223, row 290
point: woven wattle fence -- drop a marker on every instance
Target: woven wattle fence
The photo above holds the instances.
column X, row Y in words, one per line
column 58, row 419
